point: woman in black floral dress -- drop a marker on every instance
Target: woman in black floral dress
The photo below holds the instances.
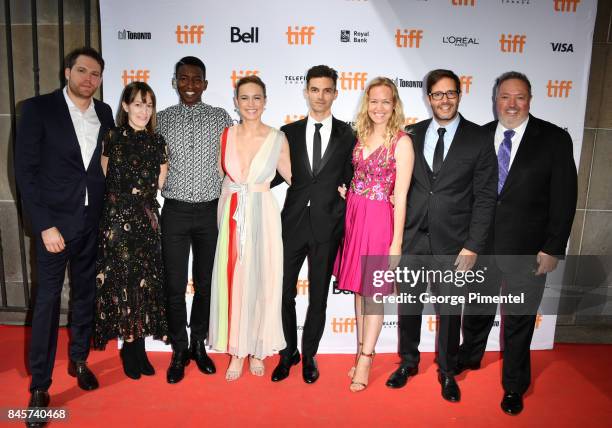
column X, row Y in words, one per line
column 129, row 290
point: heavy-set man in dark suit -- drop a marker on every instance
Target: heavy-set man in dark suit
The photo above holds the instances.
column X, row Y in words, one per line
column 313, row 215
column 59, row 174
column 450, row 208
column 533, row 219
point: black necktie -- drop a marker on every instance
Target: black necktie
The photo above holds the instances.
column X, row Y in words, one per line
column 316, row 148
column 439, row 152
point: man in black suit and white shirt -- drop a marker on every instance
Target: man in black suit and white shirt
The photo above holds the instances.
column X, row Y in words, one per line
column 533, row 219
column 450, row 208
column 313, row 215
column 59, row 174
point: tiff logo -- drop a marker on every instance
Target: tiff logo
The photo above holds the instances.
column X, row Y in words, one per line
column 408, row 38
column 352, row 81
column 302, row 287
column 236, row 76
column 566, row 5
column 135, row 76
column 512, row 43
column 463, row 2
column 251, row 36
column 300, row 35
column 290, row 118
column 466, row 82
column 410, row 120
column 559, row 89
column 189, row 34
column 343, row 325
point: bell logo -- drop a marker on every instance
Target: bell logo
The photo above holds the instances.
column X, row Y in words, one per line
column 410, row 121
column 566, row 5
column 302, row 287
column 466, row 82
column 559, row 89
column 353, row 81
column 343, row 325
column 300, row 35
column 240, row 74
column 290, row 118
column 189, row 34
column 408, row 38
column 512, row 42
column 463, row 2
column 135, row 76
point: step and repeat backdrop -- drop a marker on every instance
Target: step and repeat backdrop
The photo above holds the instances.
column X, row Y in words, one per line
column 278, row 40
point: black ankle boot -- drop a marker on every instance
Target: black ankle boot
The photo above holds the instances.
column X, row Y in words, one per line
column 143, row 362
column 129, row 358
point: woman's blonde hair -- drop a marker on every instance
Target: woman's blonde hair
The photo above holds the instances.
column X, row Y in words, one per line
column 363, row 123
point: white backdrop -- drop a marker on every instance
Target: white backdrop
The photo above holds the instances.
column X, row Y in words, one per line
column 549, row 40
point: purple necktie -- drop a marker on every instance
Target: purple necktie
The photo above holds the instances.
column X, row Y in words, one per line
column 503, row 159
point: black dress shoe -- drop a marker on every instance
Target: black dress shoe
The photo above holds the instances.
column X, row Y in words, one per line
column 176, row 371
column 39, row 398
column 144, row 365
column 199, row 355
column 461, row 367
column 284, row 366
column 512, row 403
column 450, row 389
column 129, row 360
column 400, row 376
column 310, row 371
column 85, row 378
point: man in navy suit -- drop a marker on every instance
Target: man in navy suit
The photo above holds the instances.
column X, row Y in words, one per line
column 535, row 208
column 58, row 171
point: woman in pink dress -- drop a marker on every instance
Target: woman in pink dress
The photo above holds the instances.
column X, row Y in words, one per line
column 383, row 160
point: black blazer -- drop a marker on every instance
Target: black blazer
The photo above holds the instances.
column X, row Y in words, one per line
column 536, row 207
column 49, row 167
column 319, row 187
column 460, row 203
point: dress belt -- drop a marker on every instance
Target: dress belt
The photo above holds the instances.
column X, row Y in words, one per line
column 240, row 214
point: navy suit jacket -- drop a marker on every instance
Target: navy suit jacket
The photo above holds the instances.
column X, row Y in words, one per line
column 49, row 167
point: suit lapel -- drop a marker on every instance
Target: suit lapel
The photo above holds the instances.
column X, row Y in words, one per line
column 100, row 114
column 332, row 145
column 522, row 153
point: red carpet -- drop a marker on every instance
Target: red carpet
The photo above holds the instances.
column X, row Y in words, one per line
column 572, row 386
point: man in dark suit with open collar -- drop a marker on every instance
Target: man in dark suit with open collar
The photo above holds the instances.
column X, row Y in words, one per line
column 313, row 215
column 533, row 219
column 450, row 208
column 58, row 171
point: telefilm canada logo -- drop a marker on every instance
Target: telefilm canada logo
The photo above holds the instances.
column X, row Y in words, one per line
column 354, row 36
column 133, row 35
column 460, row 41
column 295, row 79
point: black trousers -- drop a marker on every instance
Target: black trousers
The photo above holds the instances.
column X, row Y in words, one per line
column 518, row 321
column 410, row 314
column 186, row 225
column 321, row 258
column 80, row 255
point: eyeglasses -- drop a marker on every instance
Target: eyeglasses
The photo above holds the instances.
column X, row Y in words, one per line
column 451, row 95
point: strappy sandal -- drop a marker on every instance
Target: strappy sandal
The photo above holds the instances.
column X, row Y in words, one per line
column 256, row 369
column 351, row 371
column 231, row 375
column 362, row 386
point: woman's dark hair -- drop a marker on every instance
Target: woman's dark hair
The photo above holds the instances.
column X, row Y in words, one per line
column 129, row 95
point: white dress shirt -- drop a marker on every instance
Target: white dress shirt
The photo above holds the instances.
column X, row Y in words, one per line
column 516, row 138
column 325, row 135
column 86, row 126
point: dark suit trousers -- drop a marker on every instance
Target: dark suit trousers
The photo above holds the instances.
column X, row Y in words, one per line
column 80, row 254
column 186, row 225
column 518, row 323
column 410, row 315
column 321, row 258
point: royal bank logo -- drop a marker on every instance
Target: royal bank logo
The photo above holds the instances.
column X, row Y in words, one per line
column 297, row 35
column 403, row 83
column 239, row 74
column 239, row 36
column 354, row 36
column 460, row 41
column 562, row 47
column 566, row 5
column 189, row 34
column 295, row 79
column 512, row 43
column 559, row 88
column 133, row 35
column 141, row 75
